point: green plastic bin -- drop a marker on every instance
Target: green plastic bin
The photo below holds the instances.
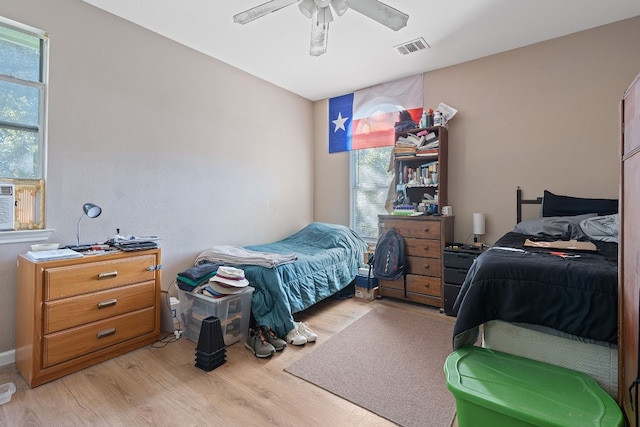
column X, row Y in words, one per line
column 495, row 389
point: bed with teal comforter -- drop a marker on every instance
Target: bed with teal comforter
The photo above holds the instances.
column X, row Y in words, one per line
column 328, row 259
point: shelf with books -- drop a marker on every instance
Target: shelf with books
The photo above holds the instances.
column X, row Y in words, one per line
column 421, row 169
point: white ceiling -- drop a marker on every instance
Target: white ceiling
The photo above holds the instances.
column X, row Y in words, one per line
column 360, row 51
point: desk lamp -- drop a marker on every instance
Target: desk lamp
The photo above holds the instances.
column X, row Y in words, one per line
column 91, row 211
column 478, row 227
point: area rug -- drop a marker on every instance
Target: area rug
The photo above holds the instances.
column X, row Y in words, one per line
column 390, row 362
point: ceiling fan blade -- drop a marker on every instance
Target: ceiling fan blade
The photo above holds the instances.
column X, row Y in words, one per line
column 319, row 36
column 378, row 11
column 261, row 10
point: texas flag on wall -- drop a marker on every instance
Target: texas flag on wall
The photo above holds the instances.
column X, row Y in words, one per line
column 365, row 118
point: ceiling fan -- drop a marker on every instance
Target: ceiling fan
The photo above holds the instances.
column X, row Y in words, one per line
column 320, row 13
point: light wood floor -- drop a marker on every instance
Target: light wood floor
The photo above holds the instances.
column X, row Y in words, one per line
column 162, row 387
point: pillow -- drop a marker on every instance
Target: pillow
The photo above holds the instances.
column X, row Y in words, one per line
column 553, row 205
column 559, row 227
column 603, row 228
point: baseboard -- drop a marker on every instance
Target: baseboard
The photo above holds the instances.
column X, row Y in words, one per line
column 7, row 357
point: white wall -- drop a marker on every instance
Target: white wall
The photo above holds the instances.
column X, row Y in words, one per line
column 166, row 140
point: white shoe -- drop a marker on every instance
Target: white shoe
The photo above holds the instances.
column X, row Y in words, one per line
column 305, row 331
column 294, row 337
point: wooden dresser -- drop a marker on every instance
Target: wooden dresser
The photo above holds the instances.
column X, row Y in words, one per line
column 74, row 313
column 425, row 238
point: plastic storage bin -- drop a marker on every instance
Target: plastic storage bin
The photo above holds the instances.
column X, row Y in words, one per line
column 496, row 389
column 6, row 390
column 234, row 312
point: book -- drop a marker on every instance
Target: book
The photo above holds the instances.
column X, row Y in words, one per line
column 51, row 255
column 427, row 152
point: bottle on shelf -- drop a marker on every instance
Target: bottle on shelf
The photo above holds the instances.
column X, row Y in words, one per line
column 430, row 117
column 423, row 120
column 437, row 118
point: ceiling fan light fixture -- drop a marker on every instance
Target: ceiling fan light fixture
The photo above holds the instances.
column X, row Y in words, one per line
column 324, row 15
column 340, row 6
column 307, row 7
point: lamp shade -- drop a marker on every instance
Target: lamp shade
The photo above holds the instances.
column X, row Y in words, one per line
column 478, row 223
column 91, row 210
column 307, row 7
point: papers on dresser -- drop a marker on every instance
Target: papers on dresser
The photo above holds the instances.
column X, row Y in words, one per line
column 54, row 254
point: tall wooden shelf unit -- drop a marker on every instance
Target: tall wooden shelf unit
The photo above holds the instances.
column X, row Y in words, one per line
column 425, row 236
column 74, row 313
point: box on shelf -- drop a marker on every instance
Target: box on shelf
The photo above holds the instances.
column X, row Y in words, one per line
column 234, row 312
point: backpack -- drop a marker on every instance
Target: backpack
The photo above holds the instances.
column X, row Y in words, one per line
column 389, row 261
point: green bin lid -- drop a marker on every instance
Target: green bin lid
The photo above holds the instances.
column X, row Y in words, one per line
column 534, row 392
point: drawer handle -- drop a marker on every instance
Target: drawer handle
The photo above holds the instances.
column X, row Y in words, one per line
column 426, row 230
column 108, row 275
column 426, row 247
column 107, row 303
column 106, row 333
column 426, row 266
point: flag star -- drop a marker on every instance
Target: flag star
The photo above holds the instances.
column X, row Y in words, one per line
column 339, row 122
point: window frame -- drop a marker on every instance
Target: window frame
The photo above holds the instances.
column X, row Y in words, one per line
column 29, row 225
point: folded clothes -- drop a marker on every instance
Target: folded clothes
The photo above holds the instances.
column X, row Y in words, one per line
column 194, row 276
column 235, row 255
column 190, row 284
column 199, row 271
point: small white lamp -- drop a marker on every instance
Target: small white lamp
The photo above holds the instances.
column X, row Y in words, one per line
column 91, row 211
column 478, row 226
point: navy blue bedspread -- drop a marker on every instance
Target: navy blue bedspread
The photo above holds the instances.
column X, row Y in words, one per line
column 329, row 256
column 577, row 295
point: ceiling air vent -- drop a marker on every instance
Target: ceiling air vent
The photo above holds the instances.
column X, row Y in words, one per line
column 412, row 46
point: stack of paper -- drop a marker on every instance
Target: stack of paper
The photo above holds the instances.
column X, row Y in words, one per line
column 53, row 255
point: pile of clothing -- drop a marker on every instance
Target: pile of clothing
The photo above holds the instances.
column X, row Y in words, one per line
column 197, row 275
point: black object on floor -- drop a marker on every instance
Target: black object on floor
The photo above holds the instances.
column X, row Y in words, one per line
column 211, row 350
column 346, row 292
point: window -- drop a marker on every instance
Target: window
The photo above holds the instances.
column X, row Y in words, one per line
column 23, row 90
column 370, row 180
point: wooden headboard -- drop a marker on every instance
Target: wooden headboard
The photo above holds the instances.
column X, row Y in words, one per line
column 520, row 201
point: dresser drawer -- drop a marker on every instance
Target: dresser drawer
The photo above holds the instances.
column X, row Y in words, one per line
column 75, row 311
column 422, row 248
column 424, row 266
column 418, row 284
column 421, row 229
column 62, row 282
column 71, row 343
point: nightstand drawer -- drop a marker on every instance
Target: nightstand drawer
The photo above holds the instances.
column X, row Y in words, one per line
column 62, row 282
column 71, row 343
column 423, row 248
column 75, row 311
column 455, row 276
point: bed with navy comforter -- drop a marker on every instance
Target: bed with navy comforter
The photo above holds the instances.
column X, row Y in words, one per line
column 328, row 258
column 574, row 292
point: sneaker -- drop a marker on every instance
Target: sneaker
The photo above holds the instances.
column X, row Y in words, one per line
column 272, row 338
column 258, row 344
column 294, row 337
column 305, row 331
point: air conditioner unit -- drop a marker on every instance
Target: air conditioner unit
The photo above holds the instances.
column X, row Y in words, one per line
column 7, row 206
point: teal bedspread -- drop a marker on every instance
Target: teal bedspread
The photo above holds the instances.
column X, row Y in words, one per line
column 328, row 259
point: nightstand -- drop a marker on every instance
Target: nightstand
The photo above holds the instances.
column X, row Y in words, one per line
column 458, row 259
